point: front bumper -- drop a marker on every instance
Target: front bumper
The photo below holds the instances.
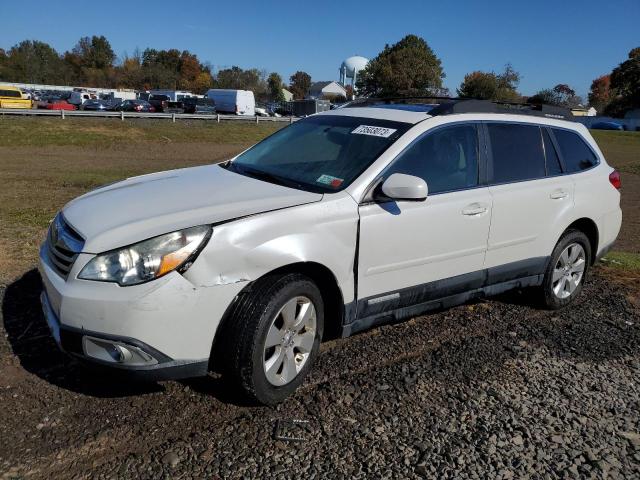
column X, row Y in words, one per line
column 75, row 342
column 158, row 330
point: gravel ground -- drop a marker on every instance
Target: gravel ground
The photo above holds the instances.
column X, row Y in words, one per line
column 493, row 389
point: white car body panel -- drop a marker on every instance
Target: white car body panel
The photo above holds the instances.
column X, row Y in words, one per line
column 413, row 243
column 525, row 218
column 143, row 207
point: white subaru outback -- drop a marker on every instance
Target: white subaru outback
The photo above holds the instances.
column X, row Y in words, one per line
column 339, row 222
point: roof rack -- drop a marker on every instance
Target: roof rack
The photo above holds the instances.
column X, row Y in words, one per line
column 449, row 106
column 487, row 106
column 373, row 101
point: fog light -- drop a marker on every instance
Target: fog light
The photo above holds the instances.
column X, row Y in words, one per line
column 116, row 352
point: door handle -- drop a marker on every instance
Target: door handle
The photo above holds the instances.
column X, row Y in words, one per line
column 558, row 194
column 474, row 209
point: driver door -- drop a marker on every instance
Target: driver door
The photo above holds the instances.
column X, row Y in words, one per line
column 413, row 252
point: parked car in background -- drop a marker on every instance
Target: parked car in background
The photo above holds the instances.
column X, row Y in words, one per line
column 97, row 105
column 163, row 103
column 57, row 104
column 199, row 105
column 240, row 102
column 262, row 110
column 77, row 97
column 607, row 126
column 135, row 106
column 172, row 95
column 11, row 97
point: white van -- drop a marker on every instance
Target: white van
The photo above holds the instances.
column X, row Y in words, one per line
column 240, row 102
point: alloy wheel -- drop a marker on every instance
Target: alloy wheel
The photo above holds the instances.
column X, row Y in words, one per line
column 568, row 271
column 289, row 340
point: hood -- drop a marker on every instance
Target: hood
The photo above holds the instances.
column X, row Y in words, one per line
column 142, row 207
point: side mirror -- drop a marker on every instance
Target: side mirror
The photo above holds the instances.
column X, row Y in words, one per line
column 400, row 186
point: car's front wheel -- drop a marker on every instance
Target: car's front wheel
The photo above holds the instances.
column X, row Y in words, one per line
column 273, row 336
column 567, row 269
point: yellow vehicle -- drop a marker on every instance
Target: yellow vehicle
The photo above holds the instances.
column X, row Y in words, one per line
column 11, row 97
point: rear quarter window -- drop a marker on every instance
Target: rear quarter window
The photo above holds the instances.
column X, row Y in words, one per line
column 517, row 152
column 553, row 162
column 576, row 155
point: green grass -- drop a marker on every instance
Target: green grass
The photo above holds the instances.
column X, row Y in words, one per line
column 623, row 260
column 45, row 162
column 100, row 132
column 621, row 149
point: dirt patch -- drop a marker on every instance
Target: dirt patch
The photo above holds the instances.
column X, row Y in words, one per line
column 471, row 391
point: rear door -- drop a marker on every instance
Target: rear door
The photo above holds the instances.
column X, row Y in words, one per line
column 531, row 198
column 413, row 252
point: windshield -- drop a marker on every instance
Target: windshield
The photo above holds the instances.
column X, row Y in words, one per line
column 323, row 153
column 10, row 93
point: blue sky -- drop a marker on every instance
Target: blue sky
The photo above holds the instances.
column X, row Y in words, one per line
column 548, row 42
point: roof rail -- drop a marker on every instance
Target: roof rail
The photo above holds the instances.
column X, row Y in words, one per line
column 372, row 101
column 488, row 106
column 449, row 105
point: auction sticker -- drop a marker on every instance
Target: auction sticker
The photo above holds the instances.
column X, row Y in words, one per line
column 374, row 131
column 335, row 182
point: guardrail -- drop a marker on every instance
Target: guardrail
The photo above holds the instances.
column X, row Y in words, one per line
column 125, row 115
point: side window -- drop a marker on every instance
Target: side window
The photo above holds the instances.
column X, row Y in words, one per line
column 553, row 162
column 517, row 152
column 576, row 154
column 446, row 159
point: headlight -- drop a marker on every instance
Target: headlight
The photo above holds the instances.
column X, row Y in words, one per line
column 148, row 260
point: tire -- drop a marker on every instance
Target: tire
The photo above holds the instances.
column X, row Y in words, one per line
column 563, row 281
column 264, row 374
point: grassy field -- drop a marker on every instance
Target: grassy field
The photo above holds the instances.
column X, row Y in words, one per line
column 45, row 162
column 622, row 149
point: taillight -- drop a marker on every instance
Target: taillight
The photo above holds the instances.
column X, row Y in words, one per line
column 614, row 178
column 138, row 108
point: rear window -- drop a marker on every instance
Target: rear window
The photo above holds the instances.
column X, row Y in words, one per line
column 159, row 97
column 517, row 152
column 577, row 156
column 10, row 93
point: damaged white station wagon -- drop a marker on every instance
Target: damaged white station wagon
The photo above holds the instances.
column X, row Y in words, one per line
column 339, row 222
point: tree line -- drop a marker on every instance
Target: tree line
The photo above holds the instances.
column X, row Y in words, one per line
column 411, row 68
column 93, row 63
column 407, row 68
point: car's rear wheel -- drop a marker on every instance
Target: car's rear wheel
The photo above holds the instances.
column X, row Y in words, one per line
column 273, row 336
column 567, row 269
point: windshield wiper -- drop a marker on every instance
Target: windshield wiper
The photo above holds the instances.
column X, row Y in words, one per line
column 266, row 176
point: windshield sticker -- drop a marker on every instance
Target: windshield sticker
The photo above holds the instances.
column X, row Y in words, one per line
column 374, row 131
column 335, row 182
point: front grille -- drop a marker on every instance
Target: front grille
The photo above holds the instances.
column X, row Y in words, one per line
column 63, row 245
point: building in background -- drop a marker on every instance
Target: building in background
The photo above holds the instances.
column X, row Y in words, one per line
column 326, row 90
column 584, row 112
column 288, row 96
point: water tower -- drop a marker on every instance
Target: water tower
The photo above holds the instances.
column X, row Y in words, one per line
column 350, row 68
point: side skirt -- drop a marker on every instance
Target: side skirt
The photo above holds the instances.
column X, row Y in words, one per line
column 397, row 306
